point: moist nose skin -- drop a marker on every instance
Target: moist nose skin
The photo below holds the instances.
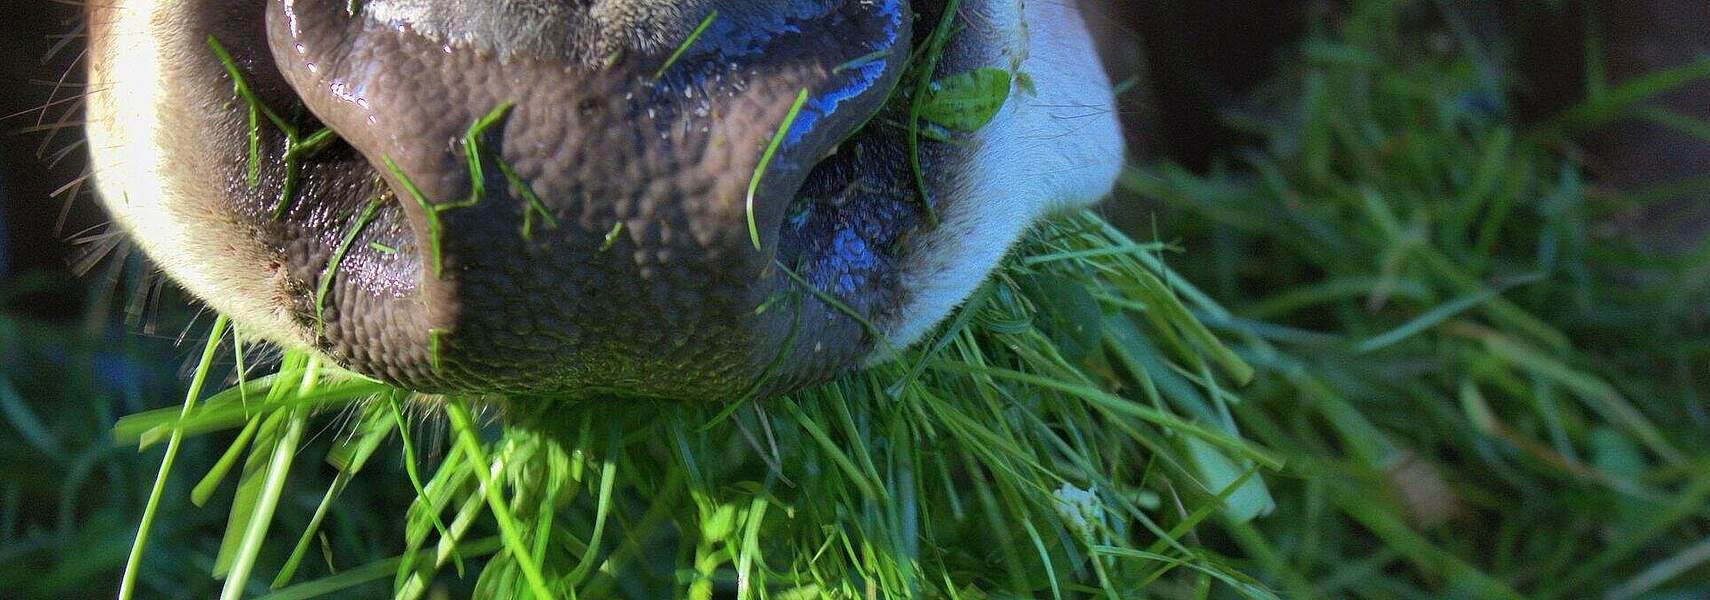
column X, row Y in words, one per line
column 584, row 220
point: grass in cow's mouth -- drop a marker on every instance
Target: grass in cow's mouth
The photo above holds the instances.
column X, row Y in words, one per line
column 998, row 430
column 611, row 237
column 297, row 147
column 430, row 212
column 687, row 43
column 475, row 154
column 331, row 272
column 924, row 71
column 766, row 160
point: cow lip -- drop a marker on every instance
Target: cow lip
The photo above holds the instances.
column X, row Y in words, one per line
column 298, row 233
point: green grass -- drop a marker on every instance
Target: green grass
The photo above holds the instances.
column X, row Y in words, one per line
column 897, row 480
column 923, row 74
column 475, row 154
column 766, row 160
column 430, row 211
column 1423, row 288
column 331, row 272
column 687, row 43
column 127, row 584
column 297, row 146
column 1386, row 353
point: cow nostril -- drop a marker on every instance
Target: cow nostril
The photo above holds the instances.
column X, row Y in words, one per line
column 588, row 107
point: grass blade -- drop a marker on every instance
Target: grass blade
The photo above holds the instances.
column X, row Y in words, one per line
column 127, row 584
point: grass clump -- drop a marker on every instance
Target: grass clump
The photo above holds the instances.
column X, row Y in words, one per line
column 1480, row 390
column 1025, row 450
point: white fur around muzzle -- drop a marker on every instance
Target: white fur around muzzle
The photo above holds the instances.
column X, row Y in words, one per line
column 1054, row 148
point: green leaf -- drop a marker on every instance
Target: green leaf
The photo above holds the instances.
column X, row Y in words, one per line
column 1068, row 314
column 720, row 524
column 967, row 101
column 1437, row 316
column 1249, row 500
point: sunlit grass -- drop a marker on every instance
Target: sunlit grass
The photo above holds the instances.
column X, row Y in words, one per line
column 766, row 160
column 687, row 43
column 898, row 480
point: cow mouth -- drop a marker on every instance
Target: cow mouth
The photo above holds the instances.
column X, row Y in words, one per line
column 608, row 245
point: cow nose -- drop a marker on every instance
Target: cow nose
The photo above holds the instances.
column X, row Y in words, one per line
column 562, row 218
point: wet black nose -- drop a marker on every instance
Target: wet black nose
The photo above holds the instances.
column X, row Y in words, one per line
column 586, row 213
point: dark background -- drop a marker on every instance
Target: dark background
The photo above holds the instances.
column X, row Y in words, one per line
column 87, row 334
column 40, row 156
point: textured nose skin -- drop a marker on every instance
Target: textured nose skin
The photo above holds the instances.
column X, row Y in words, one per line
column 635, row 273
